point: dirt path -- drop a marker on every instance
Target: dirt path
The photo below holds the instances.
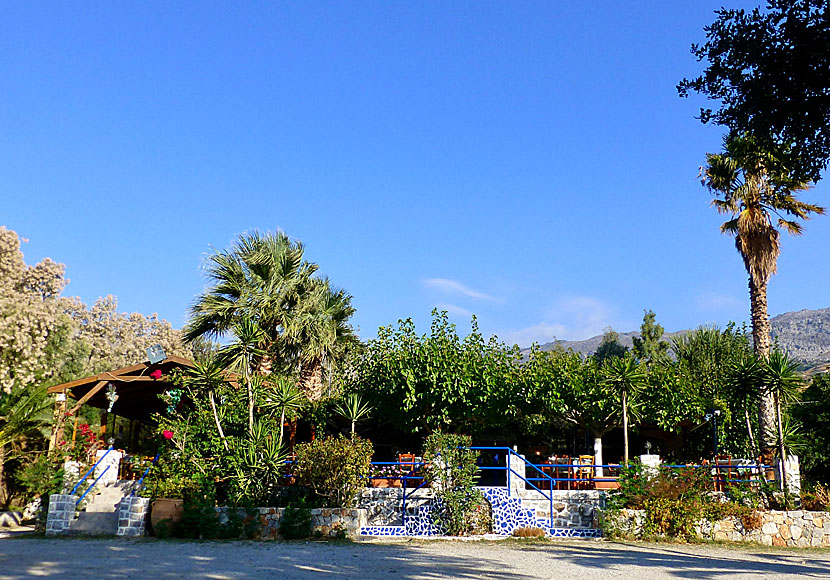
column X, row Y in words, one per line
column 98, row 558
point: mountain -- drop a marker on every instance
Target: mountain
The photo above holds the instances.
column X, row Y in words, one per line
column 804, row 334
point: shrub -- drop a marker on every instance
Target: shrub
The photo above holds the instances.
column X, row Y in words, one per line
column 529, row 532
column 451, row 470
column 296, row 522
column 335, row 468
column 816, row 499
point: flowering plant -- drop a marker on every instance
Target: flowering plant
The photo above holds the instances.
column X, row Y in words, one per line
column 394, row 471
column 85, row 442
column 156, row 374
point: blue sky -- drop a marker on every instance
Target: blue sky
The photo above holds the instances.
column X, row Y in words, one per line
column 529, row 162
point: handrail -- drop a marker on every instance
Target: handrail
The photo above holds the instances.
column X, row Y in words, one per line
column 91, row 470
column 141, row 480
column 80, row 499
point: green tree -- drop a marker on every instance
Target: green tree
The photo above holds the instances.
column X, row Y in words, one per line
column 610, row 347
column 782, row 380
column 770, row 70
column 649, row 346
column 23, row 414
column 206, row 377
column 813, row 411
column 243, row 355
column 624, row 376
column 751, row 184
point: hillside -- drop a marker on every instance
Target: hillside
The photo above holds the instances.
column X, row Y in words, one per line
column 804, row 334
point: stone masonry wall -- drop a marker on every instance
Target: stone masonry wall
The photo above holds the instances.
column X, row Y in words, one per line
column 778, row 528
column 326, row 521
column 60, row 515
column 132, row 516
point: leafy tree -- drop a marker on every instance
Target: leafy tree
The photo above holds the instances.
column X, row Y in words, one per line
column 750, row 183
column 745, row 376
column 770, row 70
column 610, row 347
column 23, row 414
column 281, row 394
column 438, row 381
column 243, row 353
column 624, row 376
column 649, row 346
column 207, row 377
column 813, row 411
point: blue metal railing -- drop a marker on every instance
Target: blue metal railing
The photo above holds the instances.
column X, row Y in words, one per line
column 140, row 483
column 88, row 473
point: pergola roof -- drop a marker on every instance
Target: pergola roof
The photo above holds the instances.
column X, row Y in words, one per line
column 137, row 391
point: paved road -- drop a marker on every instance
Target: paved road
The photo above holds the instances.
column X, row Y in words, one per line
column 95, row 558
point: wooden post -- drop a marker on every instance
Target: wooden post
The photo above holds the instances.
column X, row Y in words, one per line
column 58, row 424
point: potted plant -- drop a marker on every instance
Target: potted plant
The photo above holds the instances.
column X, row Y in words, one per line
column 387, row 476
column 168, row 491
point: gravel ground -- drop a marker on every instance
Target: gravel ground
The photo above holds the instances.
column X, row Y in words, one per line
column 586, row 560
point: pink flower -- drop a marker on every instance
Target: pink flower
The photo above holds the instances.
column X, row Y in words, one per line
column 167, row 434
column 156, row 374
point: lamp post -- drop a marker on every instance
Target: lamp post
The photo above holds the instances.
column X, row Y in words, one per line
column 712, row 416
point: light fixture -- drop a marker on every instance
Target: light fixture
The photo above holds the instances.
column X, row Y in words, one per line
column 156, row 354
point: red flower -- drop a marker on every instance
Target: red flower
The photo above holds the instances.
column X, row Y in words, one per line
column 167, row 434
column 156, row 374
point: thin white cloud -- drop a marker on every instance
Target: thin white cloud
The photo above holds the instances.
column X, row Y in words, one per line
column 454, row 287
column 714, row 302
column 568, row 318
column 455, row 310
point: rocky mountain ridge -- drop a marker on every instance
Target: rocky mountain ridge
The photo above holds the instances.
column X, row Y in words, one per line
column 804, row 334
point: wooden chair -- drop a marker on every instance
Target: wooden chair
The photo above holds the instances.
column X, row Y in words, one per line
column 585, row 471
column 723, row 472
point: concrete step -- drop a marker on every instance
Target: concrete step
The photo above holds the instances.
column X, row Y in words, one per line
column 95, row 524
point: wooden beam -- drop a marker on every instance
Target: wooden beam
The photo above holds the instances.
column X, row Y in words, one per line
column 88, row 396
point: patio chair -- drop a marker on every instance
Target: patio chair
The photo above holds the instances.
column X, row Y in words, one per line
column 723, row 472
column 585, row 471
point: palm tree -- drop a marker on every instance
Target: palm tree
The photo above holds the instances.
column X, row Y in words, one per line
column 745, row 377
column 207, row 376
column 624, row 376
column 264, row 278
column 319, row 333
column 23, row 413
column 783, row 382
column 353, row 408
column 282, row 393
column 751, row 184
column 242, row 355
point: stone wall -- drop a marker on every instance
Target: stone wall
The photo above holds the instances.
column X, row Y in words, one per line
column 61, row 514
column 132, row 516
column 325, row 521
column 778, row 528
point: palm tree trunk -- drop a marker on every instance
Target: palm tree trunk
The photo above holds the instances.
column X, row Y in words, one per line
column 761, row 340
column 625, row 426
column 781, row 451
column 311, row 380
column 4, row 490
column 250, row 399
column 216, row 418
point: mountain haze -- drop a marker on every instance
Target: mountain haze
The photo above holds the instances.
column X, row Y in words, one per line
column 804, row 335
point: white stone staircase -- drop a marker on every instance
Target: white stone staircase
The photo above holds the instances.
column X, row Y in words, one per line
column 101, row 515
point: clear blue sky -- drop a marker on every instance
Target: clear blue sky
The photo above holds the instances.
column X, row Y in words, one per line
column 529, row 162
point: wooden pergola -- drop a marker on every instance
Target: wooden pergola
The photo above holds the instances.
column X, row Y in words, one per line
column 138, row 388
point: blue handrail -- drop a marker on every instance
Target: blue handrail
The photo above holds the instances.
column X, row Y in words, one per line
column 146, row 471
column 91, row 470
column 80, row 499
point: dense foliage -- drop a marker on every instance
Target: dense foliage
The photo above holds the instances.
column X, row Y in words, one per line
column 770, row 71
column 335, row 468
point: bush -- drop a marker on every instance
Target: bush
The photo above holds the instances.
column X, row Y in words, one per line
column 335, row 468
column 816, row 499
column 296, row 522
column 452, row 472
column 675, row 500
column 529, row 532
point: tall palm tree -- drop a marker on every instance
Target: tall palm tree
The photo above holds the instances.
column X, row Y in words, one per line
column 624, row 376
column 751, row 184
